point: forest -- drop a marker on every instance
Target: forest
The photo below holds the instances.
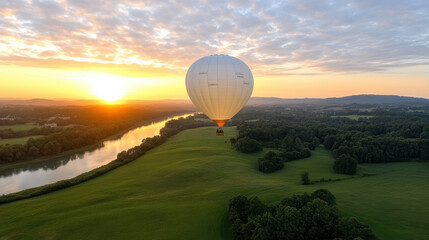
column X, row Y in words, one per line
column 354, row 133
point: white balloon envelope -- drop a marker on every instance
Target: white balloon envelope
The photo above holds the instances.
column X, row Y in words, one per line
column 219, row 86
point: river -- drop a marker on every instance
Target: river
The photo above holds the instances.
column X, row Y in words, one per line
column 39, row 173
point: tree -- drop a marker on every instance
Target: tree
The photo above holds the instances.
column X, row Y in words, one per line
column 324, row 195
column 239, row 208
column 270, row 162
column 305, row 153
column 348, row 228
column 248, row 145
column 329, row 141
column 424, row 134
column 345, row 164
column 305, row 179
column 33, row 151
column 288, row 143
column 289, row 223
column 424, row 150
column 237, row 229
column 265, row 227
column 318, row 219
column 270, row 155
column 256, row 207
column 297, row 201
column 292, row 155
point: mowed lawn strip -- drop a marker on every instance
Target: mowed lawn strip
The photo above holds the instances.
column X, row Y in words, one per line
column 20, row 127
column 21, row 140
column 181, row 190
column 354, row 117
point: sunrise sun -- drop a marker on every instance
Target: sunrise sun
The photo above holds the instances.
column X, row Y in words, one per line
column 107, row 87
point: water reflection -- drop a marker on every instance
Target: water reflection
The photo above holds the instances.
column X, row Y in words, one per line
column 36, row 174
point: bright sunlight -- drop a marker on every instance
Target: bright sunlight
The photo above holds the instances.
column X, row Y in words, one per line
column 107, row 87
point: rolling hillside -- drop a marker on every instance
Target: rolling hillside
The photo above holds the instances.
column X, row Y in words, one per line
column 358, row 99
column 181, row 190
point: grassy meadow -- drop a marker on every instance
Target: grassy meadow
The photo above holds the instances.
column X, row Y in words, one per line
column 181, row 190
column 21, row 140
column 354, row 117
column 20, row 127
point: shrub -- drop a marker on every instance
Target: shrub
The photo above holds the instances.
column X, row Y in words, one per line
column 305, row 179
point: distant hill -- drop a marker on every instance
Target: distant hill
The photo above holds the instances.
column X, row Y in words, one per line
column 85, row 102
column 48, row 102
column 374, row 99
column 358, row 99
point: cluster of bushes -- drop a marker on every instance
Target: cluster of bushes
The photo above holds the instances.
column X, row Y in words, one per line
column 299, row 217
column 172, row 127
column 271, row 162
column 291, row 148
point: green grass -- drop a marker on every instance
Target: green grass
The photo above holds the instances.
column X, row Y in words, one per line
column 21, row 140
column 417, row 110
column 354, row 117
column 181, row 190
column 20, row 127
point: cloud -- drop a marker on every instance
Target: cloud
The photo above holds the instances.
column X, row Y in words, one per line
column 273, row 37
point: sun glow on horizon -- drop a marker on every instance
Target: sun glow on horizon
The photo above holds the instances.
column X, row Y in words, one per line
column 107, row 87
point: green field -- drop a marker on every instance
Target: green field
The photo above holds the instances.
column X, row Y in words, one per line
column 21, row 140
column 417, row 111
column 20, row 127
column 181, row 190
column 354, row 117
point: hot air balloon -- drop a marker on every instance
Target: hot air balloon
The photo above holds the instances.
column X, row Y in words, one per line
column 219, row 86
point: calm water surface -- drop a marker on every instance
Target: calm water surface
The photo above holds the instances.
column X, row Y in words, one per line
column 40, row 173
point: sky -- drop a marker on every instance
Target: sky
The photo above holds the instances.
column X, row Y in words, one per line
column 142, row 49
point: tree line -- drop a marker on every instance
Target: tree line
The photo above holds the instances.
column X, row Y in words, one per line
column 389, row 135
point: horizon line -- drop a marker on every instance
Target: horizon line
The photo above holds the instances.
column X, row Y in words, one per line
column 187, row 99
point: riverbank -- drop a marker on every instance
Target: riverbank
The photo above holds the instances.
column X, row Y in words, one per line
column 22, row 164
column 121, row 158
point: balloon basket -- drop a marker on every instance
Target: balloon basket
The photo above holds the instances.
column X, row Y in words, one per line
column 219, row 132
